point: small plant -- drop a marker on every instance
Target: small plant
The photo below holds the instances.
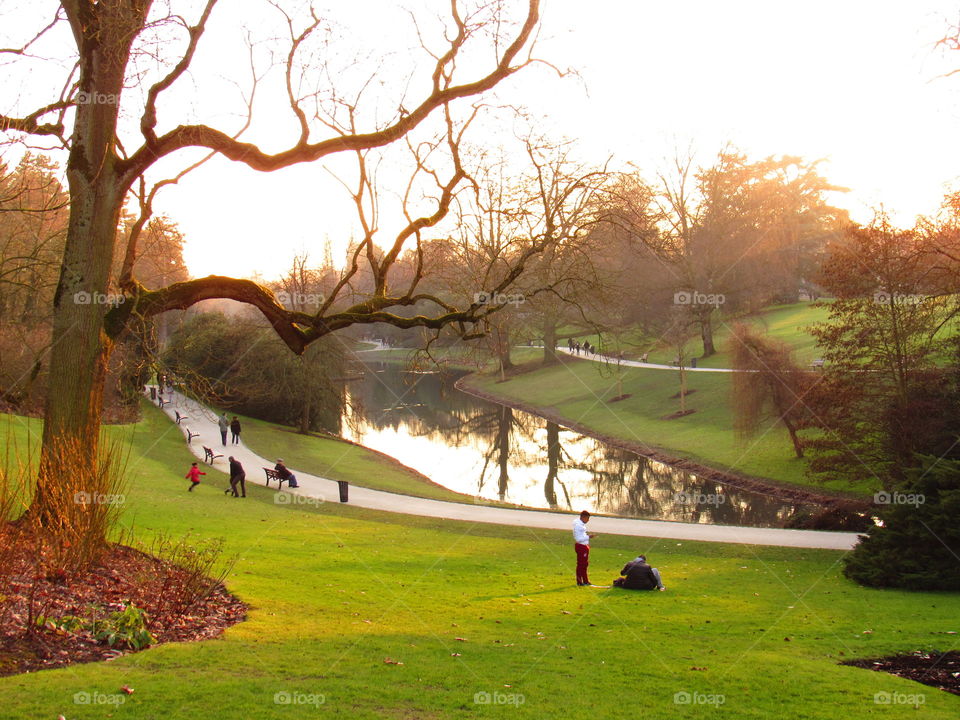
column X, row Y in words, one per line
column 125, row 628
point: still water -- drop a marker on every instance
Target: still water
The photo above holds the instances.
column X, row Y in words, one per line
column 491, row 451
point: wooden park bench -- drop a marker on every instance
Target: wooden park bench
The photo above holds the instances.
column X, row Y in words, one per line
column 209, row 455
column 160, row 401
column 274, row 475
column 191, row 435
column 817, row 364
column 179, row 416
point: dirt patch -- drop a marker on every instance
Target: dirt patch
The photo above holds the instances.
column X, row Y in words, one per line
column 678, row 414
column 782, row 491
column 688, row 393
column 123, row 576
column 936, row 669
column 618, row 398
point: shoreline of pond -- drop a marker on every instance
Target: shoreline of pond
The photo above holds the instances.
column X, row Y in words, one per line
column 795, row 494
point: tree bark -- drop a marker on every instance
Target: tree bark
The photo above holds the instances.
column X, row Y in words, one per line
column 706, row 331
column 550, row 342
column 81, row 347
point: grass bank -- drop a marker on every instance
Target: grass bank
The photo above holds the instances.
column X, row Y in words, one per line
column 360, row 614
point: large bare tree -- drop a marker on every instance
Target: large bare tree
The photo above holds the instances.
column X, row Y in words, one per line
column 112, row 42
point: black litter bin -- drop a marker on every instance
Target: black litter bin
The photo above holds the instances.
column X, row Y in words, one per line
column 344, row 488
column 153, row 393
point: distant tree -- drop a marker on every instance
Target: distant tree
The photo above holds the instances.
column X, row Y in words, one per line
column 741, row 233
column 768, row 383
column 879, row 403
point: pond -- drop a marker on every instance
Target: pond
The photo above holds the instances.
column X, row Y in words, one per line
column 495, row 452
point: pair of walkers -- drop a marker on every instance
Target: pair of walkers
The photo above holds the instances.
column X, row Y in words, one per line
column 636, row 574
column 232, row 425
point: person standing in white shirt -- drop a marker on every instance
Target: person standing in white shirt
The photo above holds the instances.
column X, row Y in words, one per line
column 581, row 545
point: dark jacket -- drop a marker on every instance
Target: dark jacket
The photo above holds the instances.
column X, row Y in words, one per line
column 282, row 470
column 638, row 576
column 235, row 427
column 236, row 469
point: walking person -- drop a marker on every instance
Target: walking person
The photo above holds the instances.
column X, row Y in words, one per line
column 235, row 431
column 237, row 477
column 224, row 426
column 581, row 545
column 194, row 474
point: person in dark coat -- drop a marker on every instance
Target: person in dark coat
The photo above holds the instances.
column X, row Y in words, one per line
column 237, row 477
column 638, row 575
column 235, row 431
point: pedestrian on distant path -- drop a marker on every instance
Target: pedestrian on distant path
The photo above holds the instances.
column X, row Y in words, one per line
column 581, row 545
column 284, row 472
column 638, row 575
column 235, row 431
column 194, row 474
column 237, row 477
column 224, row 426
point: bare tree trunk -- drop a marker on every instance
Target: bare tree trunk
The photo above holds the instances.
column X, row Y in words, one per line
column 705, row 317
column 550, row 342
column 81, row 346
column 791, row 428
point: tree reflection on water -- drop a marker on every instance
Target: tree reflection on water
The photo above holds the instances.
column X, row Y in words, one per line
column 496, row 452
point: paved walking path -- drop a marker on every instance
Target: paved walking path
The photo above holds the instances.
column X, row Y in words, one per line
column 313, row 489
column 597, row 357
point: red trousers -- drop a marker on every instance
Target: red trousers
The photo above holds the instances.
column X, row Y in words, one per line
column 583, row 559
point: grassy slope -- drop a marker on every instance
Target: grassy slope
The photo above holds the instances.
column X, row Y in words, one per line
column 339, row 460
column 335, row 590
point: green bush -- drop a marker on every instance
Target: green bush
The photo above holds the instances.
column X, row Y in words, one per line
column 125, row 628
column 918, row 544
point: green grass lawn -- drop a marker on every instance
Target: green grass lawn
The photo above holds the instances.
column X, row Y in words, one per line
column 471, row 612
column 579, row 390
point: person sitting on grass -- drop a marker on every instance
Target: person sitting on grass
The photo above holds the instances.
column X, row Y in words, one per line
column 194, row 474
column 284, row 472
column 638, row 575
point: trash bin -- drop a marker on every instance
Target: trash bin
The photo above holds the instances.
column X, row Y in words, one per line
column 153, row 393
column 344, row 487
column 693, row 362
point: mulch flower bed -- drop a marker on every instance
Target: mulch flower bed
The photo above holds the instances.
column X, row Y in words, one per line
column 123, row 575
column 939, row 670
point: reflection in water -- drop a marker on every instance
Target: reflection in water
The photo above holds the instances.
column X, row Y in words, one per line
column 493, row 451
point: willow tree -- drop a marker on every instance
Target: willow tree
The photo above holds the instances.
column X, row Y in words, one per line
column 122, row 45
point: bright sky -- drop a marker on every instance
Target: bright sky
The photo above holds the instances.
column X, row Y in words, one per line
column 857, row 82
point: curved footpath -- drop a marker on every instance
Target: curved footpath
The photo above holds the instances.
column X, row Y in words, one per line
column 202, row 420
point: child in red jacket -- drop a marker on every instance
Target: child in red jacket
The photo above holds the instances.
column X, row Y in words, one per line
column 194, row 474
